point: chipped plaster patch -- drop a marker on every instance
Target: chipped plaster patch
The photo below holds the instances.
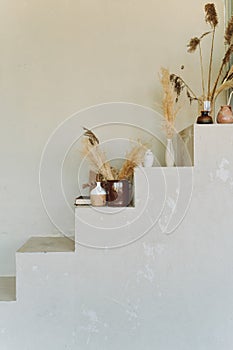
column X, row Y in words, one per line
column 171, row 203
column 159, row 248
column 132, row 312
column 163, row 222
column 149, row 250
column 168, row 212
column 146, row 273
column 222, row 173
column 131, row 309
column 93, row 324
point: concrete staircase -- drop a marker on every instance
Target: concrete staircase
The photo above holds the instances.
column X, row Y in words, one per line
column 154, row 276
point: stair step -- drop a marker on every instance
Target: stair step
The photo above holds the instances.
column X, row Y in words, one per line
column 7, row 288
column 47, row 244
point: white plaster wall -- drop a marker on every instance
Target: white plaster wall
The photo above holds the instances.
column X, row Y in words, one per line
column 60, row 56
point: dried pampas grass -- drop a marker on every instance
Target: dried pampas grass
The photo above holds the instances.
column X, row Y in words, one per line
column 133, row 159
column 92, row 151
column 92, row 139
column 229, row 32
column 228, row 84
column 168, row 104
column 214, row 83
column 211, row 15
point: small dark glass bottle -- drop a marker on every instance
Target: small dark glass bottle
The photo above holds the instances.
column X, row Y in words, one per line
column 204, row 118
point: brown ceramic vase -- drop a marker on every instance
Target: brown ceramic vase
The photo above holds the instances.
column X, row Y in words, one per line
column 225, row 115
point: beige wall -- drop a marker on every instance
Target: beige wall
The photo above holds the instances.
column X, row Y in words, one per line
column 60, row 56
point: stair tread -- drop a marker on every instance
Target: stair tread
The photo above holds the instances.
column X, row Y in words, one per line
column 7, row 288
column 47, row 244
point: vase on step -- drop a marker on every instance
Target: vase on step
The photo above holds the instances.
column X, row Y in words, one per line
column 169, row 154
column 118, row 193
column 98, row 195
column 225, row 115
column 205, row 117
column 148, row 159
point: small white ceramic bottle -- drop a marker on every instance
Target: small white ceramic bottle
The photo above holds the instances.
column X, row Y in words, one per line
column 98, row 195
column 148, row 159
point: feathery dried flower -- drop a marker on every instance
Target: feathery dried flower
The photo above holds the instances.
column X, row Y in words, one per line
column 229, row 74
column 169, row 98
column 133, row 159
column 228, row 53
column 228, row 84
column 179, row 84
column 216, row 90
column 229, row 32
column 211, row 16
column 193, row 44
column 91, row 137
column 92, row 150
column 95, row 155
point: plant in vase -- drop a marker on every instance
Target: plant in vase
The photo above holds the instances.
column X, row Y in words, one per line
column 118, row 182
column 224, row 77
column 170, row 111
